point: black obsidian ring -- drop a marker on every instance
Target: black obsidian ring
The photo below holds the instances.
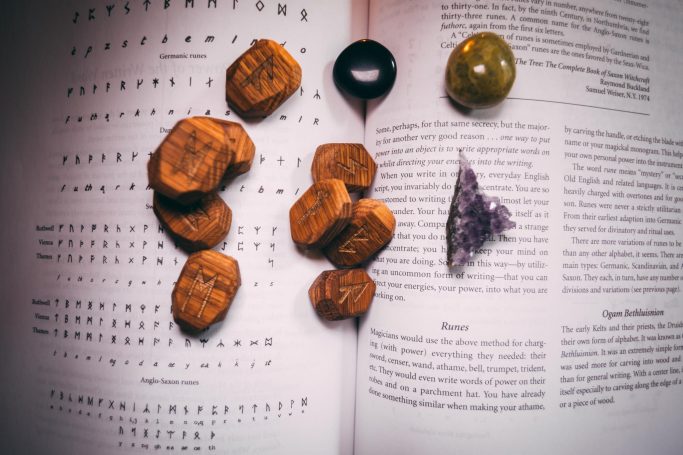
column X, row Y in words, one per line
column 365, row 69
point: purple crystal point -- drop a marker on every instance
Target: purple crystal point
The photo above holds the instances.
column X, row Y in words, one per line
column 473, row 217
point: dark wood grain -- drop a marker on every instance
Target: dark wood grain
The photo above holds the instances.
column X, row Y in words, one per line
column 320, row 213
column 342, row 294
column 204, row 290
column 191, row 161
column 350, row 163
column 261, row 79
column 199, row 226
column 371, row 227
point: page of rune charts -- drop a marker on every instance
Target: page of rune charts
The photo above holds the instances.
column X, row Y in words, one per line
column 564, row 334
column 96, row 363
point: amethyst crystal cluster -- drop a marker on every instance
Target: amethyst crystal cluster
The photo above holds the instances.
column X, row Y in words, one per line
column 473, row 217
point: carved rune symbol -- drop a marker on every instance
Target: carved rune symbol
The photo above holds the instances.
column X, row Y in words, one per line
column 353, row 290
column 255, row 76
column 354, row 165
column 192, row 156
column 320, row 196
column 360, row 236
column 193, row 218
column 202, row 285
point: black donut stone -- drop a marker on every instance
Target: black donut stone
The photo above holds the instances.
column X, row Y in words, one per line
column 365, row 69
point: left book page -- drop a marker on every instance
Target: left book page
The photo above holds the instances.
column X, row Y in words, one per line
column 95, row 362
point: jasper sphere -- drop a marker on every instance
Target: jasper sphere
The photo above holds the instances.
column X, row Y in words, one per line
column 480, row 71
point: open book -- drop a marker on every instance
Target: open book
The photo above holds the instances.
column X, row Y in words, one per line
column 562, row 336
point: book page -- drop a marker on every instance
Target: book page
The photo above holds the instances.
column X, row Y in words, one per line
column 564, row 334
column 97, row 364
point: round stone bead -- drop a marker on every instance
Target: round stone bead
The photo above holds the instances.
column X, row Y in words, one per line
column 365, row 69
column 480, row 71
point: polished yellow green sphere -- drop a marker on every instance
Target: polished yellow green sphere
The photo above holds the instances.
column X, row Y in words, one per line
column 480, row 71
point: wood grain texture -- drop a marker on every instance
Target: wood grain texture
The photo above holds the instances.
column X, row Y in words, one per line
column 342, row 294
column 195, row 227
column 261, row 79
column 191, row 161
column 350, row 163
column 372, row 226
column 320, row 214
column 240, row 145
column 204, row 290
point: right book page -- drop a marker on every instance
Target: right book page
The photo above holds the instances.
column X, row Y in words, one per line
column 564, row 335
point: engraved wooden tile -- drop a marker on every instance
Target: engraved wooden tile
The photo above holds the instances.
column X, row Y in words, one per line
column 190, row 162
column 239, row 143
column 342, row 294
column 205, row 289
column 199, row 226
column 350, row 163
column 320, row 213
column 261, row 79
column 372, row 226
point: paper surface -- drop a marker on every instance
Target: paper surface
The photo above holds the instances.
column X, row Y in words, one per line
column 514, row 352
column 100, row 366
column 563, row 334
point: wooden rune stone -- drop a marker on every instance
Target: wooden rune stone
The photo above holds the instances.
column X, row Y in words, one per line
column 204, row 290
column 190, row 162
column 342, row 294
column 240, row 145
column 372, row 226
column 350, row 163
column 195, row 227
column 261, row 79
column 320, row 214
